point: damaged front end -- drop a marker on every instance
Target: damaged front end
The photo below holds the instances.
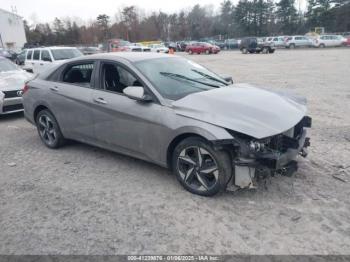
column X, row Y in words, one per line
column 258, row 158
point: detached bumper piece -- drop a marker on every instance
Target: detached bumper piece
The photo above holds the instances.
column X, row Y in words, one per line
column 278, row 158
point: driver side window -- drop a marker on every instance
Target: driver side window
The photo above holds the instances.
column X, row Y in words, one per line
column 115, row 78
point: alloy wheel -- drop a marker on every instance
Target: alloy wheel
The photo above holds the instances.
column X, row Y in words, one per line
column 47, row 130
column 198, row 168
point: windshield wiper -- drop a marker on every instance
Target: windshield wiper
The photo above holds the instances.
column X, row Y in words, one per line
column 186, row 78
column 210, row 77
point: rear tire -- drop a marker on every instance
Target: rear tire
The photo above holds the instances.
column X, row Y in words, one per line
column 190, row 52
column 322, row 46
column 291, row 46
column 244, row 51
column 200, row 168
column 49, row 130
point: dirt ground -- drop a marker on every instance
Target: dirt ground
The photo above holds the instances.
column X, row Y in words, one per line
column 84, row 200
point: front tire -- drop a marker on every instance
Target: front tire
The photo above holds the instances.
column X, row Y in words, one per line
column 200, row 168
column 49, row 130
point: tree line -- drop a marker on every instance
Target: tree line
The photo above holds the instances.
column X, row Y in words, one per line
column 246, row 18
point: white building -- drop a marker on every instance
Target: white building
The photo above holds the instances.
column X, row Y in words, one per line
column 12, row 34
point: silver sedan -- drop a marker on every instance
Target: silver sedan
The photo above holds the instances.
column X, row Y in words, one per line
column 173, row 112
column 12, row 79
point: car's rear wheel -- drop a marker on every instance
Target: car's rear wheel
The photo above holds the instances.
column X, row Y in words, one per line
column 265, row 50
column 200, row 168
column 244, row 50
column 322, row 46
column 190, row 52
column 49, row 130
column 291, row 46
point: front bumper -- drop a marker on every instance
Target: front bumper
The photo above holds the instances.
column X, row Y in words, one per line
column 248, row 169
column 10, row 103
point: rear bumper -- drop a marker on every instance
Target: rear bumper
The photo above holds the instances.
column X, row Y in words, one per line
column 10, row 105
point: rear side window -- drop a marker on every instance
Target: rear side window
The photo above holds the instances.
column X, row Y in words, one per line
column 45, row 55
column 79, row 74
column 29, row 54
column 36, row 55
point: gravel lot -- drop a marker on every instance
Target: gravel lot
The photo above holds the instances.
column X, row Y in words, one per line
column 84, row 200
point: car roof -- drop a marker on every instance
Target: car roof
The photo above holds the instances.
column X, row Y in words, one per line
column 53, row 47
column 130, row 56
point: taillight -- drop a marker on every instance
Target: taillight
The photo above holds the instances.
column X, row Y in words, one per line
column 25, row 88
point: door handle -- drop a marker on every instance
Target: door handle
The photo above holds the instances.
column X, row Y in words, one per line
column 54, row 88
column 100, row 100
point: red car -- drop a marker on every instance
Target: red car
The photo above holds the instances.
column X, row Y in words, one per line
column 202, row 48
column 347, row 42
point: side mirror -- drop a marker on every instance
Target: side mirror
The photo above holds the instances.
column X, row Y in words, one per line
column 137, row 93
column 227, row 78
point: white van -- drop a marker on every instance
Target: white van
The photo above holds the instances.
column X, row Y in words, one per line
column 39, row 59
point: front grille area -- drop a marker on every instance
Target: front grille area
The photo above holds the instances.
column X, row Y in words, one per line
column 12, row 108
column 11, row 94
column 282, row 143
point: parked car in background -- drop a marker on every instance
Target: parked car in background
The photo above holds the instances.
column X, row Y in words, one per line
column 210, row 133
column 12, row 79
column 231, row 44
column 218, row 43
column 278, row 41
column 143, row 47
column 9, row 54
column 119, row 45
column 329, row 41
column 181, row 46
column 159, row 48
column 21, row 57
column 256, row 45
column 89, row 50
column 298, row 41
column 202, row 47
column 40, row 59
column 347, row 43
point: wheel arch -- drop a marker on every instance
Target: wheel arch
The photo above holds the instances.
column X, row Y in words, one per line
column 37, row 109
column 176, row 140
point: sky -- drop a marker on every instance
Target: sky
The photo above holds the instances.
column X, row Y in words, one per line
column 38, row 11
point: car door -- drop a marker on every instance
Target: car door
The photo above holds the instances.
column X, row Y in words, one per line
column 45, row 60
column 28, row 61
column 336, row 40
column 70, row 99
column 36, row 60
column 121, row 123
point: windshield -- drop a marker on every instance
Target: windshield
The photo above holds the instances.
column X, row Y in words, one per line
column 61, row 54
column 6, row 65
column 176, row 77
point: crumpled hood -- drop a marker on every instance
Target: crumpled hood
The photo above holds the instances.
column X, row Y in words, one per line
column 13, row 80
column 243, row 108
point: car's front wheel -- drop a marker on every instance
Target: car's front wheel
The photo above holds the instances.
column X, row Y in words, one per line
column 49, row 130
column 200, row 168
